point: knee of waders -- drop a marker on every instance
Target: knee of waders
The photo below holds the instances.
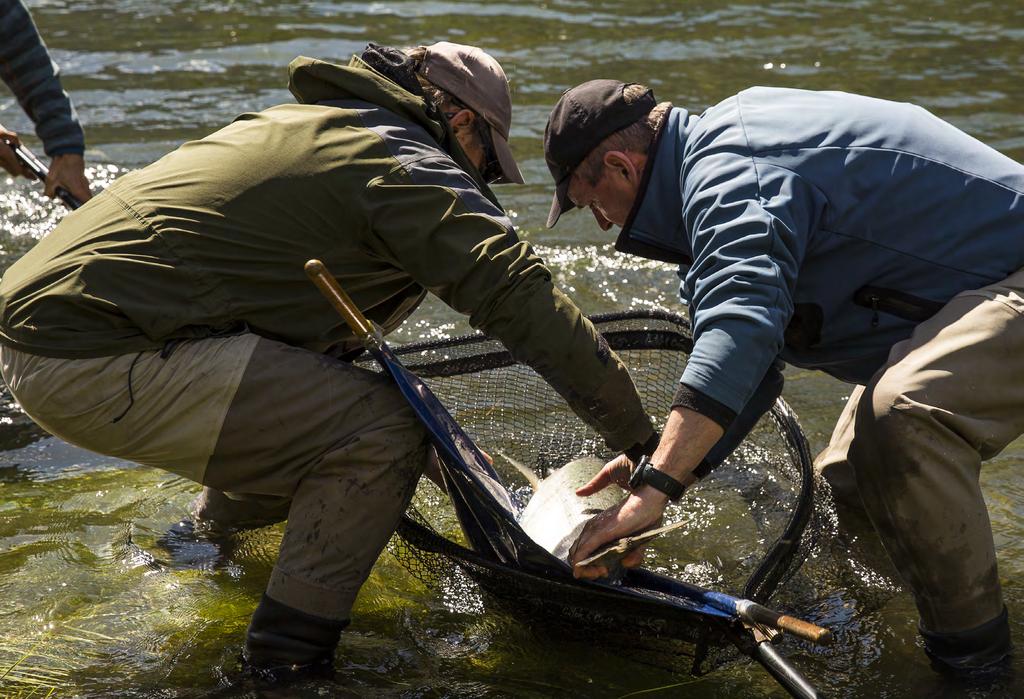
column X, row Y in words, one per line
column 842, row 483
column 980, row 648
column 887, row 422
column 283, row 642
column 398, row 433
column 884, row 407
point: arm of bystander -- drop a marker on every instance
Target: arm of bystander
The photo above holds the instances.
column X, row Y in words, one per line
column 26, row 67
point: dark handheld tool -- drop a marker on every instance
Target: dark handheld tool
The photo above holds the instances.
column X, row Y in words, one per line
column 40, row 172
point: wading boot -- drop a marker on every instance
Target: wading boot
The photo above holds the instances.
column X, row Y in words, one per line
column 980, row 653
column 284, row 644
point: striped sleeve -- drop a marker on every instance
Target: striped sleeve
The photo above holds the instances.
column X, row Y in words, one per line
column 26, row 68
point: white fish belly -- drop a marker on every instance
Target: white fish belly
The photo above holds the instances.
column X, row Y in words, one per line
column 555, row 515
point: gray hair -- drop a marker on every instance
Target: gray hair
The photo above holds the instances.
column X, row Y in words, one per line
column 637, row 137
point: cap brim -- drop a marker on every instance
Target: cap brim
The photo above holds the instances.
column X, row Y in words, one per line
column 510, row 173
column 560, row 202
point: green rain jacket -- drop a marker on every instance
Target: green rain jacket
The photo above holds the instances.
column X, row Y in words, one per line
column 212, row 238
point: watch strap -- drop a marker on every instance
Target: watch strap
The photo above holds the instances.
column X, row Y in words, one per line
column 647, row 474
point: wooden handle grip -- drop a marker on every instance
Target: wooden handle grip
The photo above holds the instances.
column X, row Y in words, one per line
column 759, row 614
column 805, row 629
column 330, row 288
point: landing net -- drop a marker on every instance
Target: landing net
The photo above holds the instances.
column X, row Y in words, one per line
column 750, row 524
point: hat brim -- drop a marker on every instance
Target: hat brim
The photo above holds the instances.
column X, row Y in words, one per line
column 561, row 202
column 510, row 173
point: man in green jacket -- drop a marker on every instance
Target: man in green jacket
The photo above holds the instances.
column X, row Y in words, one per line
column 169, row 321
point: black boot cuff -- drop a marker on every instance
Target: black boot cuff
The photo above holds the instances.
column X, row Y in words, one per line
column 282, row 635
column 973, row 649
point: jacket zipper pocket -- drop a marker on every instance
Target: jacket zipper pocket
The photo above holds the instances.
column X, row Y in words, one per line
column 897, row 303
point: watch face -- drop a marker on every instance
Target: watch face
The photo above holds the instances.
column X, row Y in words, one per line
column 636, row 479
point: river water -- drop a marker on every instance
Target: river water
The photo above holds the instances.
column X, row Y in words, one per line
column 84, row 608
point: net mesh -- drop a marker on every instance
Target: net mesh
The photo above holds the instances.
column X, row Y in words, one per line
column 750, row 524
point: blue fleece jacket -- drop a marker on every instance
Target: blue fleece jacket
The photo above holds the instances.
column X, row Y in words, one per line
column 27, row 69
column 819, row 228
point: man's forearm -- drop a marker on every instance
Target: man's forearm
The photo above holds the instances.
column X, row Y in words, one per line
column 687, row 438
column 761, row 402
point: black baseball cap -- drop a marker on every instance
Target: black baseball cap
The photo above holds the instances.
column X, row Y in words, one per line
column 584, row 116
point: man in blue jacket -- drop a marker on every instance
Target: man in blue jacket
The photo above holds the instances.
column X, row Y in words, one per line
column 865, row 238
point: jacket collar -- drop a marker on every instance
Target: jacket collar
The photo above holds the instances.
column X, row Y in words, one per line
column 313, row 81
column 654, row 228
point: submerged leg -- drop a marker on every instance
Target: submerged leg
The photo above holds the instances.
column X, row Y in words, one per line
column 342, row 445
column 222, row 512
column 950, row 397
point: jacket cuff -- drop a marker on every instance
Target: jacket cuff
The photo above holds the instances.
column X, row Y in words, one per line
column 629, row 434
column 66, row 150
column 704, row 404
column 638, row 451
column 704, row 468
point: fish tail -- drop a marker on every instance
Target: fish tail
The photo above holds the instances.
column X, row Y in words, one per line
column 527, row 472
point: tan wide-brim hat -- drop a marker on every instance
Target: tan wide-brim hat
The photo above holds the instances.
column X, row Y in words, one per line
column 477, row 80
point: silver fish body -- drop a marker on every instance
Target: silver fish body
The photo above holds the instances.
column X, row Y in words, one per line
column 555, row 515
column 716, row 527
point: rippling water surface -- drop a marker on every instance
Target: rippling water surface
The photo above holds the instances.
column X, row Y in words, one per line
column 89, row 604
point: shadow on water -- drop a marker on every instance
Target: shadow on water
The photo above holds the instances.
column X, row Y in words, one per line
column 101, row 596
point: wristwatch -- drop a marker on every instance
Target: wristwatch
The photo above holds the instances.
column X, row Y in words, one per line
column 646, row 473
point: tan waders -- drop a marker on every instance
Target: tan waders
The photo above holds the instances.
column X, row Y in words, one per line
column 912, row 442
column 272, row 425
column 342, row 444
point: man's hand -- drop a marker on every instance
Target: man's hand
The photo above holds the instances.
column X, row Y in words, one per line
column 639, row 511
column 616, row 471
column 8, row 160
column 68, row 171
column 686, row 439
